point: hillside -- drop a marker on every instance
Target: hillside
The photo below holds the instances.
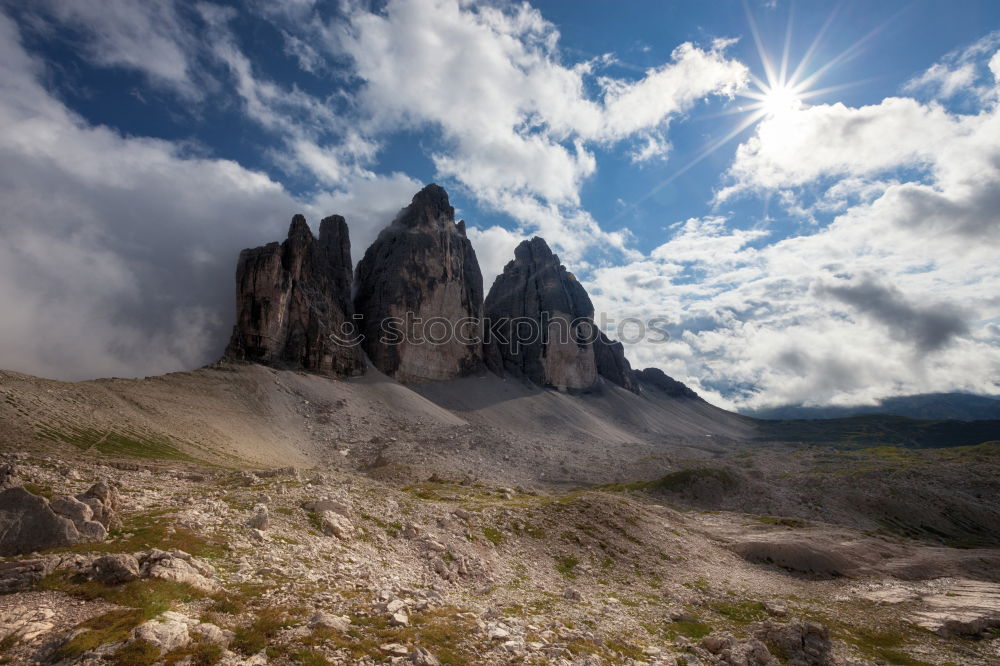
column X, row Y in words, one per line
column 939, row 406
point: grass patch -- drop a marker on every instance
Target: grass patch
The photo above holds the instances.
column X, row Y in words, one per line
column 150, row 596
column 626, row 650
column 391, row 529
column 256, row 636
column 690, row 628
column 40, row 490
column 196, row 654
column 131, row 444
column 740, row 612
column 441, row 631
column 493, row 535
column 566, row 565
column 111, row 627
column 153, row 529
column 137, row 653
column 310, row 657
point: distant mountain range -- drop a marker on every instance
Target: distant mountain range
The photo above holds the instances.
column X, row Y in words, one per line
column 955, row 406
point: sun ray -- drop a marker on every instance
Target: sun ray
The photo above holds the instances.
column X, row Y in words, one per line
column 787, row 46
column 777, row 93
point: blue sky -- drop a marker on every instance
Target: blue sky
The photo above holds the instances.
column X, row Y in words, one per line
column 826, row 240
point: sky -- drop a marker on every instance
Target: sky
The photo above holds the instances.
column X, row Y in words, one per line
column 805, row 195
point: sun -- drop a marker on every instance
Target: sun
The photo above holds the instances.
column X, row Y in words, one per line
column 780, row 100
column 779, row 93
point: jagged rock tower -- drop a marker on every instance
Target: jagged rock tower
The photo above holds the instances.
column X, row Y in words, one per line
column 420, row 294
column 549, row 336
column 293, row 302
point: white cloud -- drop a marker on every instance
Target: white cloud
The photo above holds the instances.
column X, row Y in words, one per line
column 517, row 123
column 894, row 296
column 960, row 71
column 494, row 247
column 117, row 253
column 149, row 37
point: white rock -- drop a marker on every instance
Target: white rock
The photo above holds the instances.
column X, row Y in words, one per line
column 498, row 633
column 167, row 635
column 334, row 524
column 395, row 649
column 329, row 621
column 395, row 605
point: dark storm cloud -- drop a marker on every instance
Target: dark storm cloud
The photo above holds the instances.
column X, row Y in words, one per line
column 929, row 327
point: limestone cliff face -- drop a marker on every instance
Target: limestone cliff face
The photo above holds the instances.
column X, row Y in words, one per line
column 420, row 294
column 612, row 364
column 543, row 321
column 293, row 302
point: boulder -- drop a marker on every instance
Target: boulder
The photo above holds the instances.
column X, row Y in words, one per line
column 180, row 568
column 334, row 524
column 420, row 294
column 103, row 502
column 261, row 518
column 72, row 508
column 27, row 524
column 541, row 326
column 116, row 569
column 802, row 643
column 293, row 302
column 167, row 632
column 8, row 476
column 19, row 575
column 321, row 620
column 319, row 506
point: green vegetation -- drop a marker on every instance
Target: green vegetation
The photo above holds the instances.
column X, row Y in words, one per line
column 391, row 529
column 625, row 649
column 442, row 631
column 153, row 529
column 137, row 653
column 690, row 628
column 878, row 430
column 196, row 654
column 740, row 612
column 112, row 627
column 883, row 644
column 784, row 522
column 257, row 635
column 493, row 535
column 680, row 481
column 310, row 657
column 149, row 597
column 115, row 443
column 41, row 491
column 566, row 565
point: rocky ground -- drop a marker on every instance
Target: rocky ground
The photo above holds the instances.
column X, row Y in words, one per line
column 205, row 564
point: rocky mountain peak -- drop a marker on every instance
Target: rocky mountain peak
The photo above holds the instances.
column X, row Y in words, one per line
column 664, row 382
column 544, row 318
column 429, row 209
column 422, row 272
column 299, row 227
column 293, row 302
